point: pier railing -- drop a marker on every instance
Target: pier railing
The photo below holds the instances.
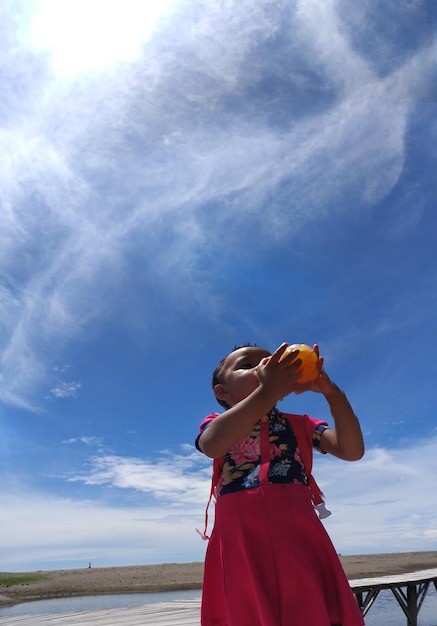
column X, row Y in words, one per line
column 409, row 589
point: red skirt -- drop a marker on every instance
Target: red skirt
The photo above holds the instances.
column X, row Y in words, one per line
column 270, row 562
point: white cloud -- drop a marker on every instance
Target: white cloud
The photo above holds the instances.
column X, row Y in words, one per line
column 76, row 531
column 176, row 479
column 88, row 441
column 383, row 503
column 66, row 390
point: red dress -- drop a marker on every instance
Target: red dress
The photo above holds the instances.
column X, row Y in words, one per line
column 270, row 561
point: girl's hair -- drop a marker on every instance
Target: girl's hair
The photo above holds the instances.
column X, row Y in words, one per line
column 216, row 378
column 217, row 373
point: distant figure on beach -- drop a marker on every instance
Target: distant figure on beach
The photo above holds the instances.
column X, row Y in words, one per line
column 270, row 561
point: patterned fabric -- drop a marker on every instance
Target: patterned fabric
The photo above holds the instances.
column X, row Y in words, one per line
column 241, row 467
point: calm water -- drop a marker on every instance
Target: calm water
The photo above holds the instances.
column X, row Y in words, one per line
column 384, row 612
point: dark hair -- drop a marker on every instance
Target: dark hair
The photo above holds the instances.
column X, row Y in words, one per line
column 216, row 375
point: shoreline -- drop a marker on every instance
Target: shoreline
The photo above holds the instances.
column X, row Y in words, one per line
column 180, row 576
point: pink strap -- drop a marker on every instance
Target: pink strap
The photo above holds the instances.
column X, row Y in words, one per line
column 265, row 453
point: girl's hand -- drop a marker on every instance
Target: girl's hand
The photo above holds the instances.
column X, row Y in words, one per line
column 322, row 384
column 277, row 375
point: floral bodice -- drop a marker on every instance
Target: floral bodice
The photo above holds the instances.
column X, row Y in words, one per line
column 241, row 464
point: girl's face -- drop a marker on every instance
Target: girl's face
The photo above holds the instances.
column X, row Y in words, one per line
column 238, row 376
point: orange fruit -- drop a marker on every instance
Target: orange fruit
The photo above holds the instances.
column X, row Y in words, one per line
column 309, row 367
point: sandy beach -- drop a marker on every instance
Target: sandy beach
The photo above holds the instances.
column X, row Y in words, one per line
column 175, row 576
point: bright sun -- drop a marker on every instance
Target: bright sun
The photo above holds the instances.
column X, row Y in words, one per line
column 90, row 34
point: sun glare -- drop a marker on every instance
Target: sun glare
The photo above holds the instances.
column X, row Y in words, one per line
column 90, row 34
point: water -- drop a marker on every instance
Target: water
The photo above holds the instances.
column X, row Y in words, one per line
column 384, row 612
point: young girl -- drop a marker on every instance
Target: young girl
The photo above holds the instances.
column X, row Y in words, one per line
column 269, row 560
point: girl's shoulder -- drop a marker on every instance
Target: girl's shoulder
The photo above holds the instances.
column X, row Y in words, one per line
column 204, row 424
column 208, row 419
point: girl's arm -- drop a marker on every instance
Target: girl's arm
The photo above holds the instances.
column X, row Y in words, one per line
column 346, row 440
column 236, row 423
column 274, row 381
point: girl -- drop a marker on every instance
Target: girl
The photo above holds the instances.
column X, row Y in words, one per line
column 269, row 560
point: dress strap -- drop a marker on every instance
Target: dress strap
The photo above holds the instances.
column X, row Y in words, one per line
column 265, row 452
column 217, row 468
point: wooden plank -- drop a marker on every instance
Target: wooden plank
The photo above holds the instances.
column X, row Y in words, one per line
column 409, row 589
column 396, row 580
column 177, row 613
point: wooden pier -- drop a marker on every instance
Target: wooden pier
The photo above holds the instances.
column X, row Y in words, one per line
column 176, row 613
column 409, row 589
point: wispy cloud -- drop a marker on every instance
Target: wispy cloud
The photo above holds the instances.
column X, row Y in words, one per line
column 88, row 441
column 176, row 479
column 104, row 163
column 66, row 390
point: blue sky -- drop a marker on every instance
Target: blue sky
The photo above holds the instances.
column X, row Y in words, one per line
column 181, row 178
